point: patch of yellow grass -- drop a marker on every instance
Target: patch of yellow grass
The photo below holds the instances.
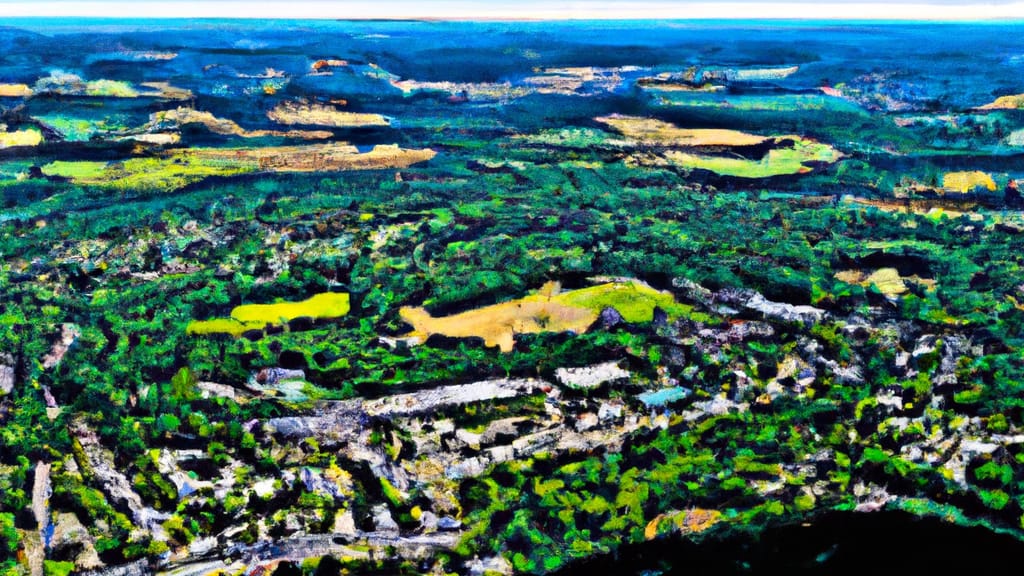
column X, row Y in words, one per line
column 29, row 137
column 111, row 88
column 548, row 310
column 15, row 91
column 651, row 131
column 633, row 299
column 1011, row 102
column 326, row 305
column 173, row 169
column 790, row 159
column 887, row 280
column 321, row 115
column 220, row 326
column 850, row 276
column 964, row 182
column 258, row 316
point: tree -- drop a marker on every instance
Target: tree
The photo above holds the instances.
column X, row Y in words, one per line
column 183, row 384
column 8, row 535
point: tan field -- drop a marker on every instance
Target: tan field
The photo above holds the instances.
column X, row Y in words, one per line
column 547, row 310
column 225, row 127
column 322, row 115
column 498, row 324
column 650, row 131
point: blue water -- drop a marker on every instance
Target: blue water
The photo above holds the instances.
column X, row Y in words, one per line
column 662, row 397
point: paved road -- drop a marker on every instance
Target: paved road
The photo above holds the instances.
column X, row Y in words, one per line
column 35, row 548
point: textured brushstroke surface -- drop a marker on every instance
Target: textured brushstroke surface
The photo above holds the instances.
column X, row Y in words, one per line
column 509, row 297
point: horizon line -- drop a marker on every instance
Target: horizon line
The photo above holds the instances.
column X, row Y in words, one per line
column 521, row 11
column 523, row 19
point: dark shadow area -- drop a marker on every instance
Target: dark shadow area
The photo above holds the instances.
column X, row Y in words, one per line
column 835, row 544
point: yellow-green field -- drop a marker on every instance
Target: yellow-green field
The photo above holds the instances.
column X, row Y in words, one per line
column 30, row 137
column 964, row 182
column 257, row 316
column 177, row 168
column 777, row 162
column 651, row 131
column 711, row 149
column 887, row 280
column 1010, row 102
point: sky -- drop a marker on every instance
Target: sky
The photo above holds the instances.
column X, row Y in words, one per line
column 522, row 9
